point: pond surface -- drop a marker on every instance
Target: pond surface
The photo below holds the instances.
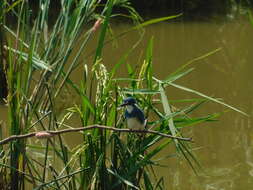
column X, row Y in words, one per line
column 224, row 148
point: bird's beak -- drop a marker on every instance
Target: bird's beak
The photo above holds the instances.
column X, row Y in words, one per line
column 122, row 105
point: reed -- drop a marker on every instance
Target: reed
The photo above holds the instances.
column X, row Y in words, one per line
column 40, row 59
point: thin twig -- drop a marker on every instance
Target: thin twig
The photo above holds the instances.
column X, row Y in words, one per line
column 47, row 134
column 17, row 137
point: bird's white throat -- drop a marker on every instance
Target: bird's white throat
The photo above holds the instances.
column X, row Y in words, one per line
column 129, row 108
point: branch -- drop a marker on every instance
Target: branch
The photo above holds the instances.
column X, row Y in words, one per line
column 48, row 134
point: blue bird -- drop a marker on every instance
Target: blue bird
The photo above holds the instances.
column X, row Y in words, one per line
column 134, row 115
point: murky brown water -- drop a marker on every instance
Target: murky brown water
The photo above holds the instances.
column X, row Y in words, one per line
column 226, row 149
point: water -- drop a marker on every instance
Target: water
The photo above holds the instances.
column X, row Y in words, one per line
column 224, row 148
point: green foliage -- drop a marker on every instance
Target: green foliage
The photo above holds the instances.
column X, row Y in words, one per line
column 40, row 62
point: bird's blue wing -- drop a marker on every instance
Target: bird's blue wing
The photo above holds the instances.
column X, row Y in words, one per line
column 139, row 114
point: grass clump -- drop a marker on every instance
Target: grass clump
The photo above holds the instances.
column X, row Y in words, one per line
column 39, row 62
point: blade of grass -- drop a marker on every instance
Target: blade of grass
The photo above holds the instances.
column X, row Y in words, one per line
column 207, row 97
column 195, row 60
column 179, row 74
column 250, row 17
column 156, row 20
column 140, row 91
column 168, row 112
column 37, row 62
column 122, row 179
column 103, row 31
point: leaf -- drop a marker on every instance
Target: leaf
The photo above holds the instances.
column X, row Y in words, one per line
column 103, row 31
column 37, row 62
column 122, row 179
column 196, row 59
column 147, row 181
column 126, row 79
column 250, row 17
column 193, row 121
column 160, row 184
column 156, row 20
column 152, row 153
column 140, row 91
column 207, row 97
column 13, row 5
column 168, row 112
column 174, row 77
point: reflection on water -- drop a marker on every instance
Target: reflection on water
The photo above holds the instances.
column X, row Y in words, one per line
column 226, row 152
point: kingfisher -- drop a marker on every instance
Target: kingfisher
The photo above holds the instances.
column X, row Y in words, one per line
column 134, row 115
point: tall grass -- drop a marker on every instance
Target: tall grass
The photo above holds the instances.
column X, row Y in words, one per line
column 40, row 60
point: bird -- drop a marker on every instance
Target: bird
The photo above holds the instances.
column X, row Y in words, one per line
column 134, row 115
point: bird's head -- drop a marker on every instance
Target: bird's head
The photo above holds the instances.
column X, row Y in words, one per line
column 128, row 101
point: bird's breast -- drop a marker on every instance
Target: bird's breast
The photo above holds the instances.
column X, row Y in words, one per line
column 134, row 123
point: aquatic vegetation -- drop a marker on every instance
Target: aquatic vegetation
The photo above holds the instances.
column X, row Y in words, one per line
column 40, row 59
